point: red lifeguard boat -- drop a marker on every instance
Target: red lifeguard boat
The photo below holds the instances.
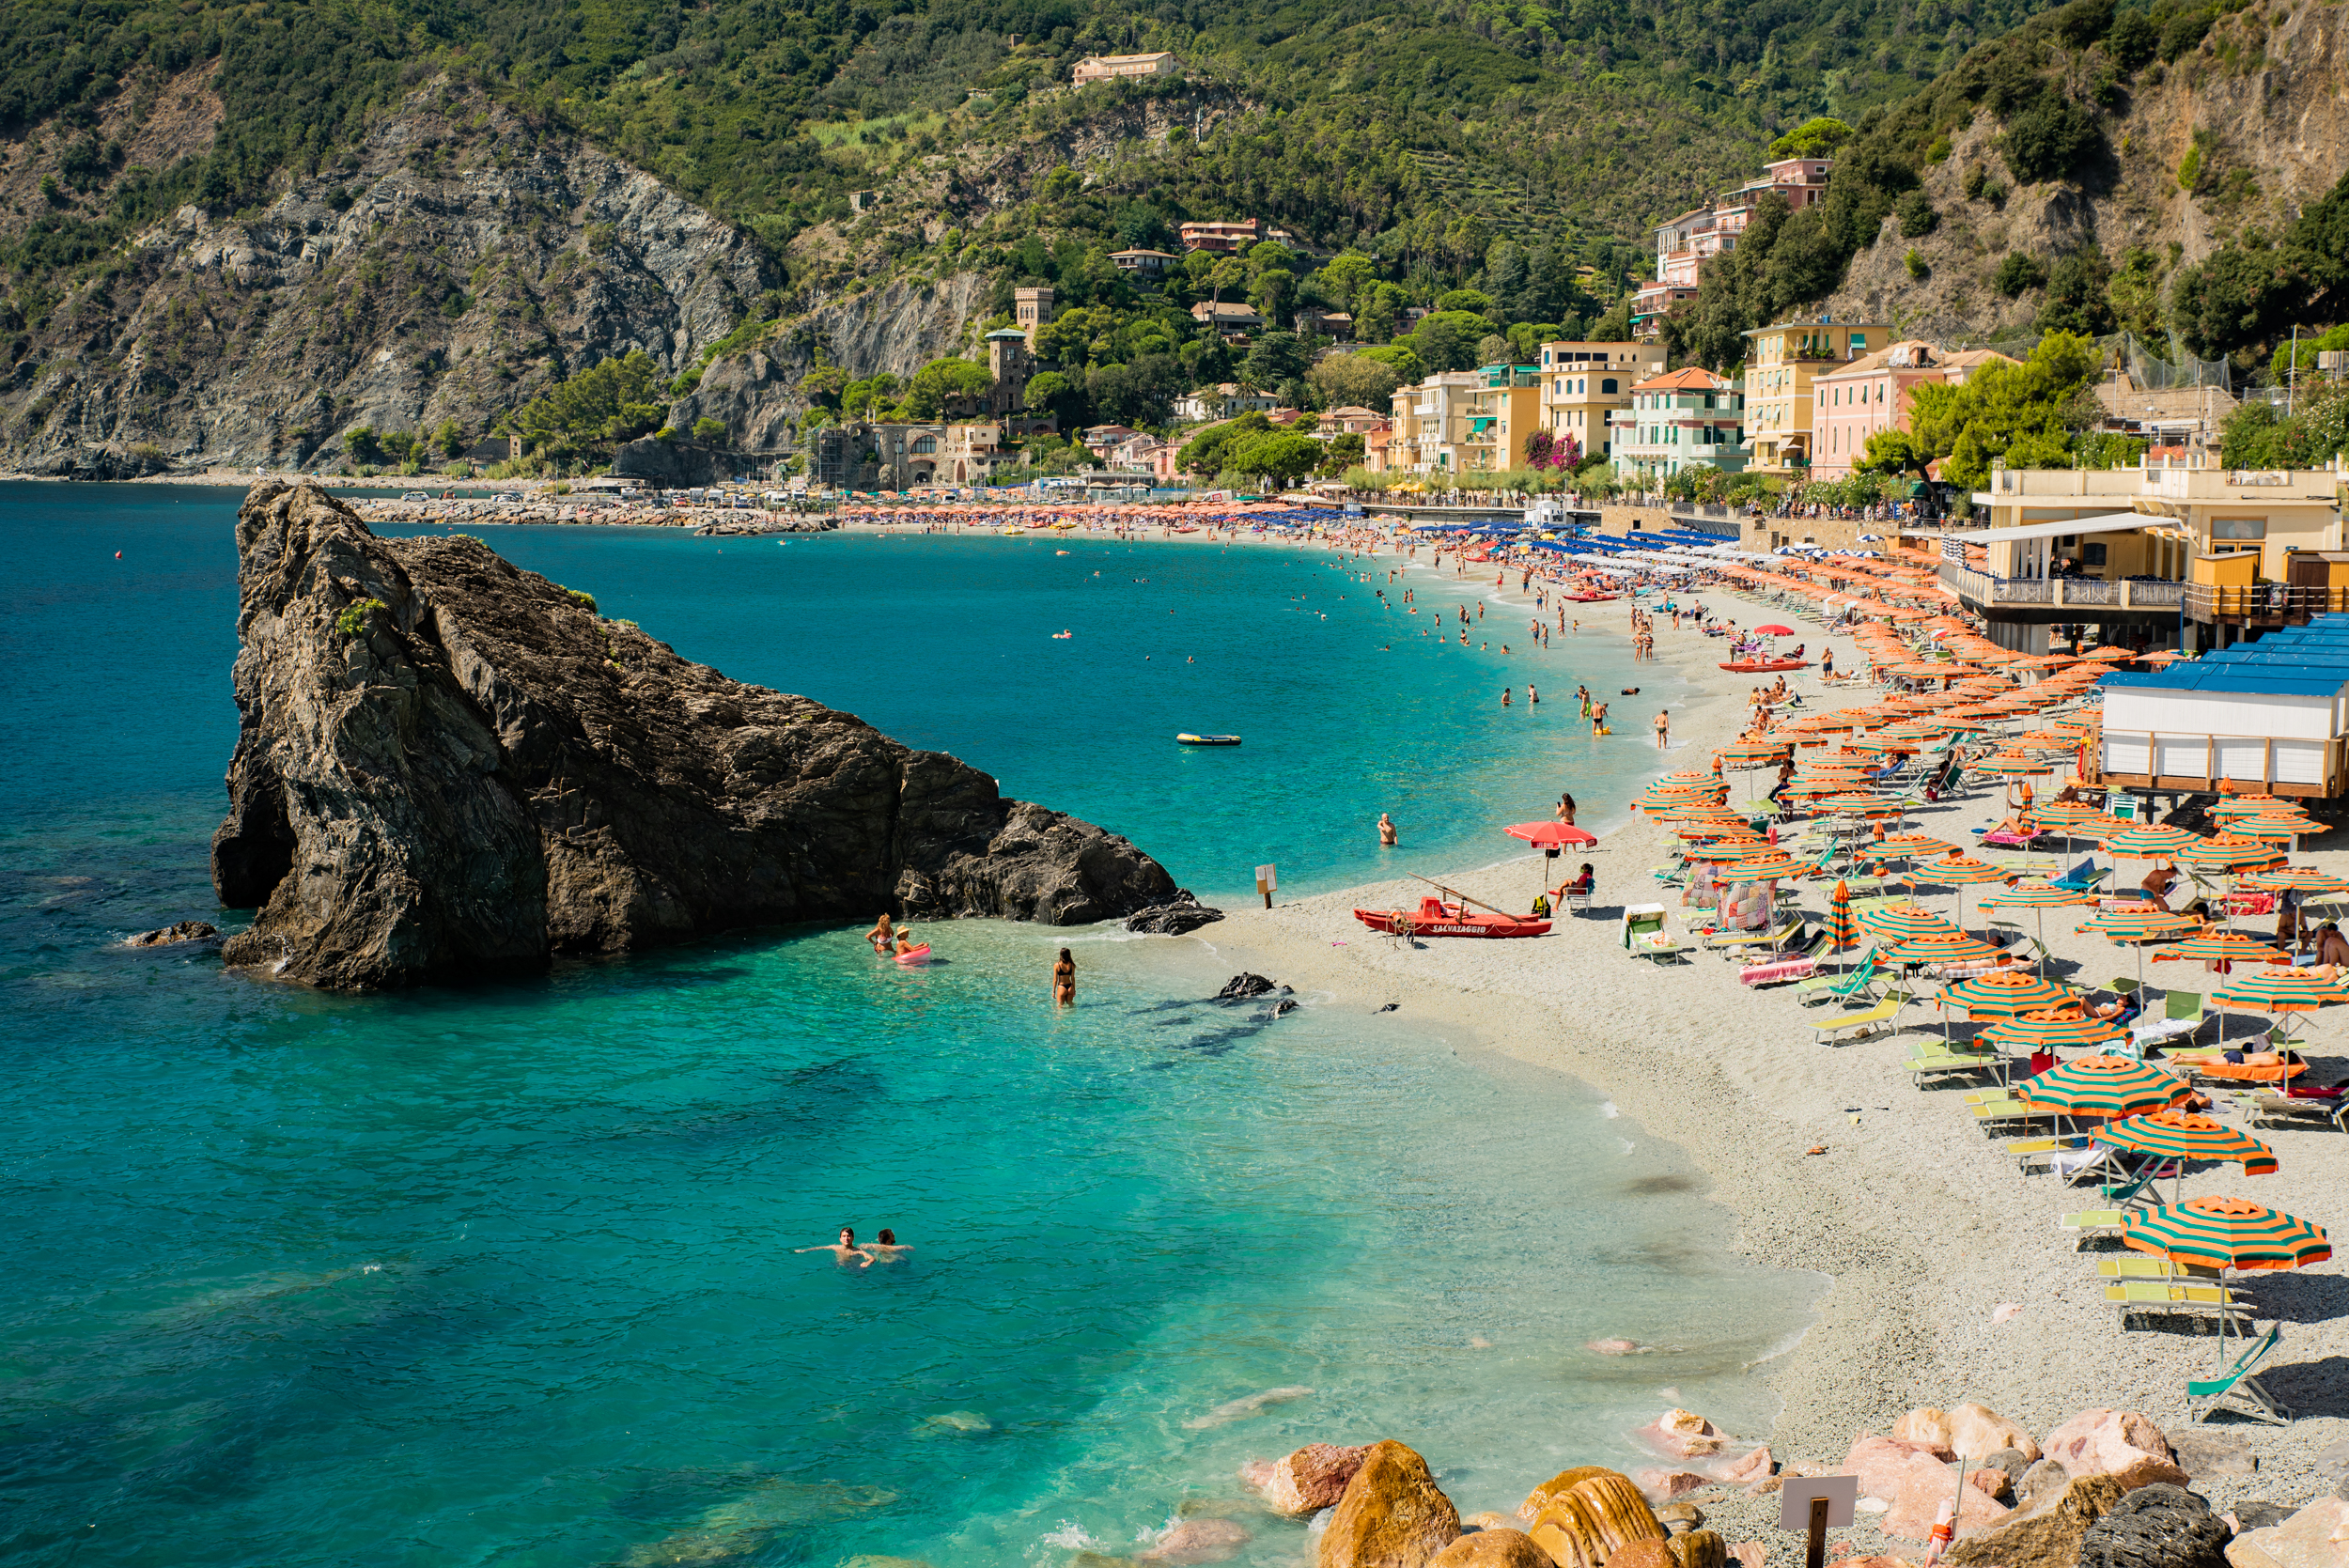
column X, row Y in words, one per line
column 1764, row 666
column 1440, row 917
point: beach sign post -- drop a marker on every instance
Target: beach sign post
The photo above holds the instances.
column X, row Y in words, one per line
column 1265, row 882
column 1815, row 1504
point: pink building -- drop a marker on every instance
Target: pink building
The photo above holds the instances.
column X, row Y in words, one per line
column 1873, row 394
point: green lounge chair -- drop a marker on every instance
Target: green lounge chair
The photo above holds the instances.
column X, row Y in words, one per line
column 2282, row 1110
column 2236, row 1389
column 1732, row 941
column 1931, row 1058
column 1861, row 982
column 2131, row 1298
column 1644, row 936
column 1868, row 1020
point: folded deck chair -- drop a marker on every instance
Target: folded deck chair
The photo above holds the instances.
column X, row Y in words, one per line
column 1861, row 981
column 2236, row 1389
column 2144, row 1265
column 2029, row 1152
column 1930, row 1058
column 2081, row 877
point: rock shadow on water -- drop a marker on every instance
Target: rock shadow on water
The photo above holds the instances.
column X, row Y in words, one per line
column 1666, row 1185
column 755, row 1522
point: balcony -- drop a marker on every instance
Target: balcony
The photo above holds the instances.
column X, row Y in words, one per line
column 2261, row 603
column 1984, row 591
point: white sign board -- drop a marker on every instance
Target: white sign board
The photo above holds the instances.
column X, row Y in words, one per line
column 1795, row 1499
column 1265, row 881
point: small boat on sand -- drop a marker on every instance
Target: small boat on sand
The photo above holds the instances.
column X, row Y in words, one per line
column 1187, row 738
column 1448, row 914
column 1762, row 666
column 913, row 955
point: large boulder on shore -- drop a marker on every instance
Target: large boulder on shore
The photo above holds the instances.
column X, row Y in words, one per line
column 1392, row 1515
column 1492, row 1548
column 2113, row 1442
column 1585, row 1516
column 2315, row 1537
column 446, row 765
column 1308, row 1480
column 2046, row 1531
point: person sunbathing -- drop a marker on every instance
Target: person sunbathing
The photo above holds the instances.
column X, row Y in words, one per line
column 2121, row 1010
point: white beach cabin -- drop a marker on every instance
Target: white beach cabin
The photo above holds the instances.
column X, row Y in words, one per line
column 2270, row 715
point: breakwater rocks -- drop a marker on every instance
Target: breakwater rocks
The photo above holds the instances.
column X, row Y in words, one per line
column 559, row 511
column 2107, row 1489
column 446, row 765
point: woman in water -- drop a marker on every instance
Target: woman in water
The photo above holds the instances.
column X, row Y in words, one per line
column 1065, row 981
column 887, row 1249
column 1565, row 809
column 844, row 1251
column 883, row 936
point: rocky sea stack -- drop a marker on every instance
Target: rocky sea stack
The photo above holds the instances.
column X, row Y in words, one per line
column 448, row 766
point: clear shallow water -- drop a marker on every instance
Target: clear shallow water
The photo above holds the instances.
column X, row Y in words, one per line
column 502, row 1275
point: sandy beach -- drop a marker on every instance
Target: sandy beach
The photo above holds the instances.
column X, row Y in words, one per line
column 1923, row 1224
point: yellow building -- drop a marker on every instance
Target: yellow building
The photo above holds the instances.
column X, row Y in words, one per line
column 1502, row 412
column 1781, row 361
column 1431, row 422
column 1581, row 382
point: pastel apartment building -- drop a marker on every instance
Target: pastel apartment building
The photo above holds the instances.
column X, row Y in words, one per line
column 1688, row 419
column 1430, row 421
column 1504, row 409
column 1782, row 361
column 1871, row 395
column 1110, row 68
column 1685, row 242
column 1584, row 382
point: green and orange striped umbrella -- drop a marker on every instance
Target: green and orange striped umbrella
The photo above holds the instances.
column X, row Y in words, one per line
column 1767, row 867
column 1959, row 872
column 2005, row 993
column 2231, row 852
column 2224, row 947
column 1753, row 750
column 2140, row 925
column 2281, row 990
column 1662, row 796
column 2145, row 840
column 2182, row 1135
column 2275, row 827
column 1893, row 923
column 2226, row 1232
column 2036, row 895
column 2298, row 878
column 1939, row 947
column 2069, row 814
column 1915, row 843
column 1860, row 805
column 2068, row 1026
column 1842, row 932
column 2013, row 765
column 2093, row 1085
column 2246, row 806
column 1726, row 849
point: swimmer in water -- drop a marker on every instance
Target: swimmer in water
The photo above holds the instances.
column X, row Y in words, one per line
column 1065, row 981
column 843, row 1251
column 883, row 936
column 1504, row 696
column 905, row 939
column 887, row 1248
column 1386, row 837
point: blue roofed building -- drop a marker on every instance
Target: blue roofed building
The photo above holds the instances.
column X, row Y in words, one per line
column 2271, row 715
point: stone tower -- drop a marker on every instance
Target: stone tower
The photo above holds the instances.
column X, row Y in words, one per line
column 1031, row 308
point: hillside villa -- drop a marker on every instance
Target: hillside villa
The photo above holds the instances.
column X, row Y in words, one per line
column 1687, row 419
column 1685, row 242
column 1110, row 68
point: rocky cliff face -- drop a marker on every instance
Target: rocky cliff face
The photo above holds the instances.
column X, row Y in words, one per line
column 448, row 766
column 2264, row 111
column 456, row 263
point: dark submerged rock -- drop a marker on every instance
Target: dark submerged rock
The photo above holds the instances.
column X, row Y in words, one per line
column 1179, row 916
column 447, row 766
column 169, row 935
column 1244, row 986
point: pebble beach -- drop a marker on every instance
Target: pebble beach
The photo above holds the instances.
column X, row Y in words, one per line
column 1951, row 1282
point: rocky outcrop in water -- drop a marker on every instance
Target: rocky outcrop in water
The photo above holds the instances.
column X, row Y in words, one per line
column 1179, row 916
column 447, row 765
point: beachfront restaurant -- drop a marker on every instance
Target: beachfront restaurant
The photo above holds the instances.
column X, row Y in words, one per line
column 2265, row 716
column 2173, row 553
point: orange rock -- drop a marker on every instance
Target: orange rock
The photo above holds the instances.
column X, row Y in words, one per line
column 1392, row 1515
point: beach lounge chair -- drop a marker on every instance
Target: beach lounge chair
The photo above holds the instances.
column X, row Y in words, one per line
column 1783, row 967
column 1868, row 1020
column 2001, row 1110
column 2144, row 1265
column 2237, row 1390
column 1861, row 982
column 1733, row 941
column 2082, row 877
column 1644, row 936
column 2148, row 1298
column 2282, row 1110
column 2039, row 1153
column 2182, row 1019
column 1932, row 1058
column 2083, row 1223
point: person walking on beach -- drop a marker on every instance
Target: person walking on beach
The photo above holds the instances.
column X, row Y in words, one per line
column 843, row 1251
column 1663, row 728
column 1065, row 981
column 1387, row 836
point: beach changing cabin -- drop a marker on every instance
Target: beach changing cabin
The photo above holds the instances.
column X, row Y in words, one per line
column 2271, row 715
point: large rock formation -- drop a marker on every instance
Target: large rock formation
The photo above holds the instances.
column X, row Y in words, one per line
column 447, row 765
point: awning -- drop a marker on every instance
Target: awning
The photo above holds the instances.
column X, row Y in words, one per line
column 2108, row 522
column 1479, row 426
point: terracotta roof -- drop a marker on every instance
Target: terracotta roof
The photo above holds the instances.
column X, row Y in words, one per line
column 1691, row 379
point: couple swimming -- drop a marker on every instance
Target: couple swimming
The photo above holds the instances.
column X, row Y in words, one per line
column 890, row 939
column 846, row 1251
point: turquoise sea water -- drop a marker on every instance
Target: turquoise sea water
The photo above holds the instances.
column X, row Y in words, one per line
column 503, row 1274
